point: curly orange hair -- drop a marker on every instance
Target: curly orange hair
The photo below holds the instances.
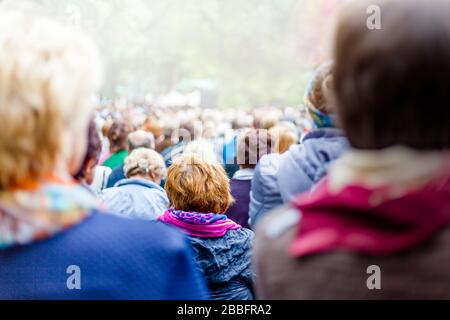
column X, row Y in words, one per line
column 196, row 185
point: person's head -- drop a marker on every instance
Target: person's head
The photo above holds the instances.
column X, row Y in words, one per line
column 48, row 74
column 284, row 137
column 196, row 185
column 185, row 133
column 106, row 126
column 141, row 139
column 319, row 98
column 269, row 120
column 86, row 173
column 146, row 164
column 392, row 85
column 252, row 145
column 154, row 126
column 209, row 130
column 118, row 136
column 203, row 149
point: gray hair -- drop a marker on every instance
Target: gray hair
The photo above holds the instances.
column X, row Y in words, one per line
column 144, row 161
column 141, row 139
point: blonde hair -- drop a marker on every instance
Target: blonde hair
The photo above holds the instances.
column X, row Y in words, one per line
column 48, row 74
column 284, row 138
column 270, row 120
column 144, row 161
column 196, row 185
column 319, row 93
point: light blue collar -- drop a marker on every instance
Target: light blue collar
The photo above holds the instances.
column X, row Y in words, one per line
column 139, row 182
column 244, row 174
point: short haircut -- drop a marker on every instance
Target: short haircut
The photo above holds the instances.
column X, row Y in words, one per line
column 196, row 185
column 319, row 93
column 252, row 145
column 141, row 139
column 144, row 161
column 118, row 135
column 48, row 73
column 392, row 85
column 284, row 138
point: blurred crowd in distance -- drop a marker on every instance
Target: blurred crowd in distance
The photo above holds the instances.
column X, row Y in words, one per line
column 344, row 196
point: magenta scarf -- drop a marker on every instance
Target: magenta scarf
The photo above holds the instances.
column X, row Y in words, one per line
column 203, row 225
column 356, row 219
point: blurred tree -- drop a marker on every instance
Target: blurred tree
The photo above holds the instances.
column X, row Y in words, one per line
column 257, row 51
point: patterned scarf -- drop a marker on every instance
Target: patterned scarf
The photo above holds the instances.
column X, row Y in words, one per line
column 42, row 210
column 319, row 119
column 203, row 225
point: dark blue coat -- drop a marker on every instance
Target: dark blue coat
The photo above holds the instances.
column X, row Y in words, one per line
column 226, row 264
column 117, row 258
column 116, row 175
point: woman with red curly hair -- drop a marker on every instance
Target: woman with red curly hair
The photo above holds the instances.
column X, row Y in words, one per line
column 199, row 194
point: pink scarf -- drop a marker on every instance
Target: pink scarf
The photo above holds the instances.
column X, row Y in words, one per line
column 370, row 220
column 203, row 225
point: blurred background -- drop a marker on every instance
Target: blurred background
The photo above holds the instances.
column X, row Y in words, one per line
column 214, row 53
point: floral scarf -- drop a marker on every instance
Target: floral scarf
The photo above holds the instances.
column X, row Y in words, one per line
column 376, row 202
column 42, row 210
column 203, row 225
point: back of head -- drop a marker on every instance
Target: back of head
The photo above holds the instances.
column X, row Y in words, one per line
column 318, row 92
column 393, row 84
column 48, row 73
column 252, row 145
column 269, row 120
column 319, row 98
column 144, row 162
column 197, row 185
column 284, row 137
column 118, row 135
column 141, row 139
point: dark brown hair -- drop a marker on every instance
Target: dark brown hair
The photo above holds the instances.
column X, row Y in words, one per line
column 252, row 145
column 94, row 148
column 392, row 85
column 118, row 136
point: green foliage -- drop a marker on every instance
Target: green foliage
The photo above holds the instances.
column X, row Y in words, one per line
column 254, row 50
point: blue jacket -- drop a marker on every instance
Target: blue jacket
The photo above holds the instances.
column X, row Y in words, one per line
column 226, row 264
column 229, row 156
column 136, row 198
column 117, row 259
column 116, row 175
column 279, row 178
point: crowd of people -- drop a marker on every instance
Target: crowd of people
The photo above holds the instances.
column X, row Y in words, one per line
column 193, row 203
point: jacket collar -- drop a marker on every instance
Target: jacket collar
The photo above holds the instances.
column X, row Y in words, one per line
column 323, row 133
column 138, row 182
column 244, row 174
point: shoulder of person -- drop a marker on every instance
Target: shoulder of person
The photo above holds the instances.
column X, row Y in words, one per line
column 133, row 234
column 267, row 167
column 277, row 223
